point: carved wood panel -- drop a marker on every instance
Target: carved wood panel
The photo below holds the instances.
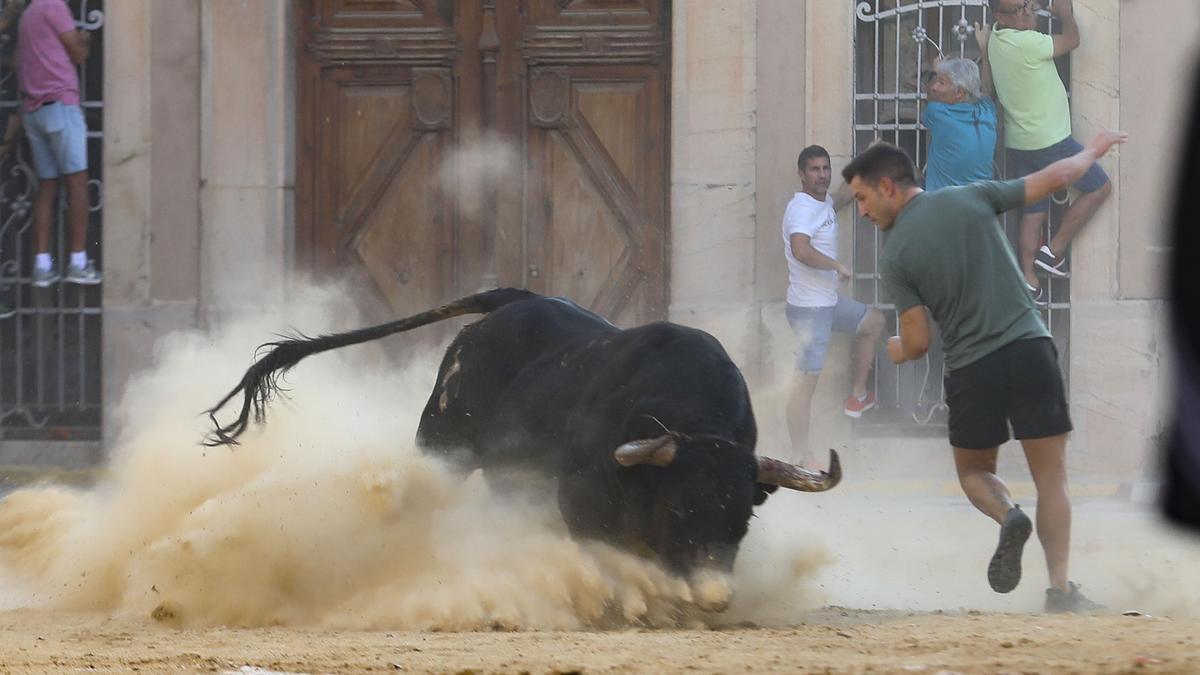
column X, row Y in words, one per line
column 446, row 146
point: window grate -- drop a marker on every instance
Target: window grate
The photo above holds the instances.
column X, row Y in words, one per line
column 895, row 42
column 50, row 347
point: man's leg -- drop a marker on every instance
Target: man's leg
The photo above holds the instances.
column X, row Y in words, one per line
column 799, row 410
column 989, row 494
column 812, row 327
column 1078, row 215
column 77, row 209
column 43, row 214
column 1047, row 463
column 977, row 476
column 1029, row 239
column 870, row 332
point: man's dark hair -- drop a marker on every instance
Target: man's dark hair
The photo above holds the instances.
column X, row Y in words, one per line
column 882, row 160
column 811, row 152
column 996, row 5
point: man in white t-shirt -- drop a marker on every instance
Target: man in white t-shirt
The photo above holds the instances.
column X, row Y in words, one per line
column 815, row 308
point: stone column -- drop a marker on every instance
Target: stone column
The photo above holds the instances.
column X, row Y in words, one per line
column 712, row 171
column 247, row 154
column 151, row 169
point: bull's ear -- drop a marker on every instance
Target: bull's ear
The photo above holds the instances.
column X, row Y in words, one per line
column 650, row 452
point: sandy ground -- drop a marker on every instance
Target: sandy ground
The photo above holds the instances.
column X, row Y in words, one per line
column 826, row 640
column 960, row 627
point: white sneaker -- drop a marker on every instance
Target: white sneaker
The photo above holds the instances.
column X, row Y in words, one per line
column 87, row 275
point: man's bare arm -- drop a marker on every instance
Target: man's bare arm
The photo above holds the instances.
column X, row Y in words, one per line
column 843, row 196
column 78, row 44
column 802, row 250
column 983, row 33
column 1063, row 173
column 914, row 338
column 1069, row 38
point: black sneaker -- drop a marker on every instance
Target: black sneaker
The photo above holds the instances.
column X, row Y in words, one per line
column 1038, row 295
column 1004, row 570
column 1058, row 601
column 1049, row 262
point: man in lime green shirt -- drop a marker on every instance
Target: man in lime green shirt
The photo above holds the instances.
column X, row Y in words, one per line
column 945, row 256
column 1037, row 125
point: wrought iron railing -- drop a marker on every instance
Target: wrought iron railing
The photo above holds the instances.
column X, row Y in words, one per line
column 50, row 344
column 894, row 43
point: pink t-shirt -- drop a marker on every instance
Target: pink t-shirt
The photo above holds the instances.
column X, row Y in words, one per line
column 44, row 68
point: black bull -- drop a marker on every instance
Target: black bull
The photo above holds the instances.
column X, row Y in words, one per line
column 648, row 432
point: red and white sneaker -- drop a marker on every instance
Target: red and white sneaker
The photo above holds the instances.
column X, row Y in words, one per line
column 856, row 406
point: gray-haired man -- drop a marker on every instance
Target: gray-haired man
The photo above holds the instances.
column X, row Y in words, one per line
column 962, row 126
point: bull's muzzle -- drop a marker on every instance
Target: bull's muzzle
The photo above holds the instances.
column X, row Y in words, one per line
column 791, row 476
column 711, row 589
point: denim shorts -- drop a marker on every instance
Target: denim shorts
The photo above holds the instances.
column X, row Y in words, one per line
column 814, row 325
column 58, row 139
column 1021, row 163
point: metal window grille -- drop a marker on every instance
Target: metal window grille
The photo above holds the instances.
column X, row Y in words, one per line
column 895, row 42
column 50, row 345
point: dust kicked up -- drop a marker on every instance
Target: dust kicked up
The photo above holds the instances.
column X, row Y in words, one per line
column 328, row 515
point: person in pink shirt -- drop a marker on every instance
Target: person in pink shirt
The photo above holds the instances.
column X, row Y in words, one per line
column 49, row 50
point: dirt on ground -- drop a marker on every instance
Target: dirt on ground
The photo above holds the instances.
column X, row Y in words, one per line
column 828, row 640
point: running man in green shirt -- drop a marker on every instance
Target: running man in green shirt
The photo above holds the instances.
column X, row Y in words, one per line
column 1037, row 125
column 946, row 256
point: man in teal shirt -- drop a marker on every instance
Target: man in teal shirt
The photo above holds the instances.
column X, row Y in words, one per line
column 962, row 126
column 1037, row 124
column 945, row 255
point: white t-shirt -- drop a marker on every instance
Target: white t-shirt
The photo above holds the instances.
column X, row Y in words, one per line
column 808, row 286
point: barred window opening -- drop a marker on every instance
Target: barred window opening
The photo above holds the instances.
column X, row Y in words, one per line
column 50, row 347
column 896, row 42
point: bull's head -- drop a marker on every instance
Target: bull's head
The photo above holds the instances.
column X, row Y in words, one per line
column 695, row 505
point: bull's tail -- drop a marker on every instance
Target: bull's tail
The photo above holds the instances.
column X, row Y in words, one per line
column 260, row 382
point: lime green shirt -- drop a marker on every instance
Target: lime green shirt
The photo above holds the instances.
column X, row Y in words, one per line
column 1036, row 114
column 947, row 252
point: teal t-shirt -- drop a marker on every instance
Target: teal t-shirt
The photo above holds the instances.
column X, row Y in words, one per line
column 947, row 252
column 962, row 141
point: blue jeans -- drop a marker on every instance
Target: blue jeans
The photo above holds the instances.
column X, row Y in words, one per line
column 814, row 325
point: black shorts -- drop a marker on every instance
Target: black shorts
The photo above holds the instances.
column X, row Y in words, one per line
column 1020, row 383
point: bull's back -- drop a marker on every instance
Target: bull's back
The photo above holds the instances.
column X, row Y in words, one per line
column 465, row 411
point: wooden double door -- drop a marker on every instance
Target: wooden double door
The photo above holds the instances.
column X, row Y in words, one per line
column 446, row 146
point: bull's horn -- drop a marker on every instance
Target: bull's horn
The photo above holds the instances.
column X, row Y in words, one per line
column 783, row 474
column 653, row 452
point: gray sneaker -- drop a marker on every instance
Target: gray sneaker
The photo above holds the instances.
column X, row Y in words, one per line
column 1072, row 600
column 87, row 275
column 8, row 305
column 46, row 278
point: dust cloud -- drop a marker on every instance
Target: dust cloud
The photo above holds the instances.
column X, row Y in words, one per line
column 328, row 515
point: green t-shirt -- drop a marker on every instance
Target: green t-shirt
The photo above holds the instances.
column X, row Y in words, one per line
column 946, row 251
column 1036, row 114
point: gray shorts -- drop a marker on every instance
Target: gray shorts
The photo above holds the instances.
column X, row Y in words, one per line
column 814, row 325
